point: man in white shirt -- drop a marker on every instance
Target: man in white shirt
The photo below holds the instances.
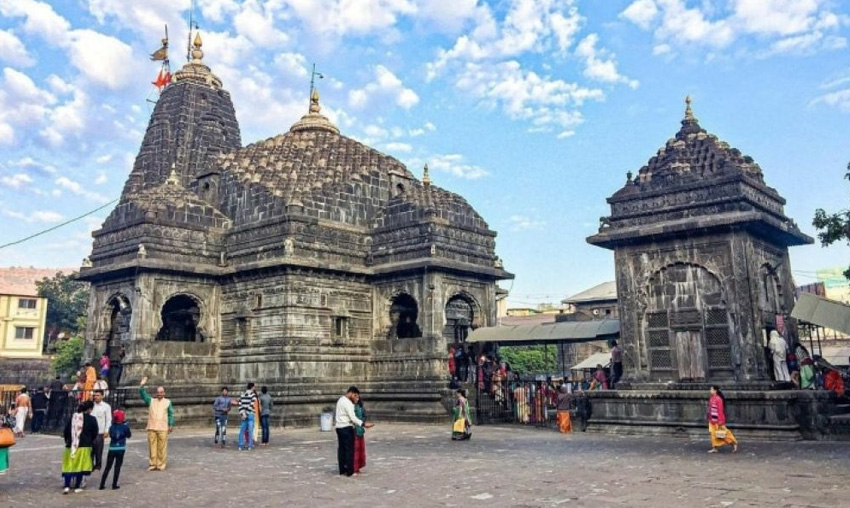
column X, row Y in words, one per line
column 345, row 422
column 103, row 414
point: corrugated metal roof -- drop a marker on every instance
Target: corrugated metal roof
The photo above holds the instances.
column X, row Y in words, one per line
column 593, row 360
column 603, row 292
column 575, row 331
column 822, row 312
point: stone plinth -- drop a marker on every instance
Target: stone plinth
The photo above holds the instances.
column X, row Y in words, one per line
column 774, row 415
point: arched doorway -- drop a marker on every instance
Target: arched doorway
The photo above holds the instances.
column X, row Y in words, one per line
column 459, row 318
column 180, row 317
column 687, row 328
column 120, row 313
column 404, row 312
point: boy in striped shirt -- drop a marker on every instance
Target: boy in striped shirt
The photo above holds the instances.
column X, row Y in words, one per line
column 247, row 402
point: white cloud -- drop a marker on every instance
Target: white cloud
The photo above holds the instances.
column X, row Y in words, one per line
column 22, row 104
column 385, row 85
column 449, row 15
column 77, row 189
column 525, row 95
column 454, row 164
column 101, row 178
column 16, row 181
column 398, row 147
column 256, row 22
column 343, row 17
column 292, row 64
column 68, row 118
column 12, row 50
column 103, row 159
column 599, row 65
column 839, row 99
column 525, row 223
column 528, row 26
column 641, row 12
column 28, row 163
column 101, row 58
column 37, row 216
column 771, row 26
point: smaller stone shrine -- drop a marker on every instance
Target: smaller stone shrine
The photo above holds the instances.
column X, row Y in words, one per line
column 703, row 274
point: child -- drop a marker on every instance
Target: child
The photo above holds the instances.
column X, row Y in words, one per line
column 118, row 434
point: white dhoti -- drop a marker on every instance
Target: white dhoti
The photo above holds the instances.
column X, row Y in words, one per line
column 780, row 369
column 21, row 419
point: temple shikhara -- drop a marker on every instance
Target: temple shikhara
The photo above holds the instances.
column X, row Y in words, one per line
column 306, row 262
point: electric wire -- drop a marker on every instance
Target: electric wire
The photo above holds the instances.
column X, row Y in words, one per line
column 54, row 228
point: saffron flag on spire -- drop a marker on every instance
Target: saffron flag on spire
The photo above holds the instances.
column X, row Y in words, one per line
column 163, row 79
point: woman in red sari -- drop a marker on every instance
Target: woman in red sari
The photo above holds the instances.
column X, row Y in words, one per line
column 360, row 437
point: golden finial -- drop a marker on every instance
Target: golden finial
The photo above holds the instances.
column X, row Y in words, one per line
column 197, row 53
column 426, row 177
column 314, row 102
column 689, row 113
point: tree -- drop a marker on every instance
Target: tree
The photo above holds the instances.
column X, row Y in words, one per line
column 530, row 359
column 67, row 299
column 69, row 356
column 833, row 227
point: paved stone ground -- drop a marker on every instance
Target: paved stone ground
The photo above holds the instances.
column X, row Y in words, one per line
column 413, row 467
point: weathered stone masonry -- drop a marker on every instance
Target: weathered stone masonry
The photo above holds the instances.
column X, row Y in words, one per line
column 305, row 262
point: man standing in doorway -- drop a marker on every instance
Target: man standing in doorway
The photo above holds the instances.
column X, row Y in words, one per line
column 616, row 364
column 346, row 419
column 246, row 412
column 102, row 412
column 160, row 425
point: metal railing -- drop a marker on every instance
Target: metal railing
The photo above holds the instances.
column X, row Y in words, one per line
column 60, row 405
column 526, row 402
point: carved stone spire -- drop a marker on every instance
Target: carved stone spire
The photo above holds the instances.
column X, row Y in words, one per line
column 690, row 124
column 196, row 70
column 426, row 176
column 314, row 120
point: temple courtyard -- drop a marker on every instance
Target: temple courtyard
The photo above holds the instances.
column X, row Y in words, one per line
column 418, row 466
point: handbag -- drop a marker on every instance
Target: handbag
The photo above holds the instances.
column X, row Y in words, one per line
column 720, row 433
column 459, row 425
column 7, row 437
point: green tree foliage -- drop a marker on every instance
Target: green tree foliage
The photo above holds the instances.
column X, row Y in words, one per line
column 67, row 299
column 530, row 359
column 69, row 356
column 833, row 227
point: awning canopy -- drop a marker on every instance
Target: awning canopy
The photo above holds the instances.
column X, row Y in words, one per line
column 569, row 331
column 822, row 312
column 593, row 360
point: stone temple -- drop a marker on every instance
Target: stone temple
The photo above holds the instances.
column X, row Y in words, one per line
column 306, row 262
column 703, row 274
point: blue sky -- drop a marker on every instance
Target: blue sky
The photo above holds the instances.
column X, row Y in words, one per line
column 534, row 110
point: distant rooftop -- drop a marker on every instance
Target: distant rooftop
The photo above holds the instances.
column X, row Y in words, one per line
column 607, row 291
column 20, row 280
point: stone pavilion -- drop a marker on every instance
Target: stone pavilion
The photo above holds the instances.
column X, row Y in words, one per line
column 701, row 254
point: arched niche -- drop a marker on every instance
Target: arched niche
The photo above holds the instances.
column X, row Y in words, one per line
column 460, row 318
column 404, row 314
column 181, row 316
